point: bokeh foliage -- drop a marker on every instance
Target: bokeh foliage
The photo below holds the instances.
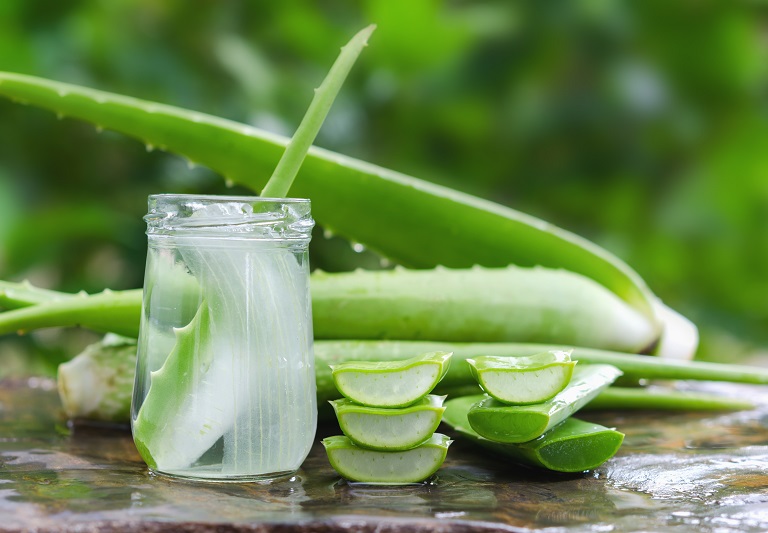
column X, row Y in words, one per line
column 639, row 125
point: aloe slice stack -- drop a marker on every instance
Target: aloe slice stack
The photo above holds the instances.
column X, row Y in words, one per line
column 388, row 418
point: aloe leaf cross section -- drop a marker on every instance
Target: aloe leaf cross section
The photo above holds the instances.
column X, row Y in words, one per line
column 523, row 380
column 391, row 383
column 395, row 467
column 384, row 429
column 520, row 423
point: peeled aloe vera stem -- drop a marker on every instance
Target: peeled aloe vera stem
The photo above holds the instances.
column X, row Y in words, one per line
column 573, row 446
column 398, row 215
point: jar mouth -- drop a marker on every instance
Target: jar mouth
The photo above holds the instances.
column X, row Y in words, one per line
column 235, row 216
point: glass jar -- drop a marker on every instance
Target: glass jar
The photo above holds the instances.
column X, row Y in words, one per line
column 225, row 381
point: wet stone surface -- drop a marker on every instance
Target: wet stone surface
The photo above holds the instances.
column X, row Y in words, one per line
column 675, row 472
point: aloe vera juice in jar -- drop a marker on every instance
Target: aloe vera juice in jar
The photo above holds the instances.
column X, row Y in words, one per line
column 225, row 382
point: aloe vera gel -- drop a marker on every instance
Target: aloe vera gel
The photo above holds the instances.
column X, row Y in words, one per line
column 225, row 383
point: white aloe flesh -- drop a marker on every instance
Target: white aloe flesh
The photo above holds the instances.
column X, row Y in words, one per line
column 523, row 380
column 391, row 383
column 389, row 429
column 392, row 468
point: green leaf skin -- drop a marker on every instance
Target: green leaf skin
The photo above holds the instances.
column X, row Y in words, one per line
column 510, row 304
column 23, row 294
column 523, row 380
column 478, row 304
column 168, row 433
column 572, row 446
column 387, row 468
column 383, row 429
column 513, row 424
column 390, row 383
column 17, row 295
column 402, row 217
column 108, row 312
column 289, row 165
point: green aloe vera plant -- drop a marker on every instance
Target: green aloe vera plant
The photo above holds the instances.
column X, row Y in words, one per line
column 523, row 380
column 572, row 446
column 386, row 429
column 397, row 215
column 520, row 423
column 391, row 383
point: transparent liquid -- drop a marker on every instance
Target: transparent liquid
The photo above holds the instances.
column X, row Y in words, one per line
column 225, row 386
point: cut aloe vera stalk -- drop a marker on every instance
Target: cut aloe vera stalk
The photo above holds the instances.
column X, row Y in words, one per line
column 520, row 423
column 391, row 383
column 386, row 429
column 523, row 380
column 371, row 466
column 572, row 446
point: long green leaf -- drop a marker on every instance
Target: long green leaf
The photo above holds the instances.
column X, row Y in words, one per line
column 411, row 221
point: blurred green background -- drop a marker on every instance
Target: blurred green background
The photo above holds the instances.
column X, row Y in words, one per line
column 639, row 125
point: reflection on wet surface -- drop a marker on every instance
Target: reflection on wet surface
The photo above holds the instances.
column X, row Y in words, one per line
column 703, row 472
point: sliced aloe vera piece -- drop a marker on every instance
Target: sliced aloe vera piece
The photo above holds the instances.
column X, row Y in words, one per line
column 521, row 423
column 572, row 446
column 372, row 466
column 523, row 380
column 391, row 383
column 387, row 429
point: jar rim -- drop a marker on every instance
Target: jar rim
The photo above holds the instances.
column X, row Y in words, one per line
column 234, row 216
column 225, row 198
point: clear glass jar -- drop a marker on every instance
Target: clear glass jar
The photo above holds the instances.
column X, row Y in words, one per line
column 225, row 381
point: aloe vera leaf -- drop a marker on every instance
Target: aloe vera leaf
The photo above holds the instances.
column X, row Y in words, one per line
column 296, row 150
column 23, row 294
column 387, row 429
column 390, row 383
column 399, row 216
column 372, row 466
column 97, row 384
column 572, row 446
column 173, row 428
column 520, row 423
column 476, row 304
column 523, row 380
column 108, row 311
column 665, row 400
